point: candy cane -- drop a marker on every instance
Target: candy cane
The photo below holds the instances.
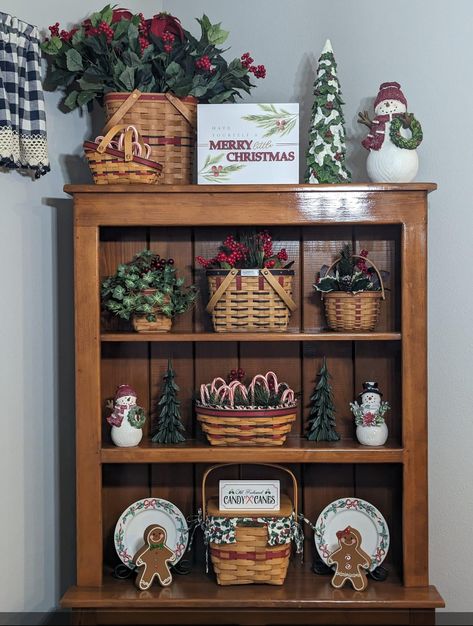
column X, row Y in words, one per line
column 213, row 384
column 253, row 383
column 275, row 380
column 287, row 396
column 204, row 394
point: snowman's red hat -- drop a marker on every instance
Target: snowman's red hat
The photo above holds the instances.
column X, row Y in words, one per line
column 390, row 91
column 125, row 390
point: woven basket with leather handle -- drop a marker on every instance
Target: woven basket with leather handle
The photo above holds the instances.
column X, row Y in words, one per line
column 257, row 300
column 251, row 559
column 246, row 427
column 167, row 123
column 112, row 166
column 353, row 312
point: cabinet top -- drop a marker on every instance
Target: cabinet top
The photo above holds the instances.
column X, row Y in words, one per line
column 304, row 188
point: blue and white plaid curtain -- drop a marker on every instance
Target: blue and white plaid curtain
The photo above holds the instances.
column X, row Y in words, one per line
column 23, row 142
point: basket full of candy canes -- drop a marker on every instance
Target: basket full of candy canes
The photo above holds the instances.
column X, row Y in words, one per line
column 258, row 414
column 121, row 156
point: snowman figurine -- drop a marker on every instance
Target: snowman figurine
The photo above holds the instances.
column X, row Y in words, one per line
column 127, row 418
column 371, row 429
column 393, row 138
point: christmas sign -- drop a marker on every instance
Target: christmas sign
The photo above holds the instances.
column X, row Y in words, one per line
column 248, row 143
column 249, row 495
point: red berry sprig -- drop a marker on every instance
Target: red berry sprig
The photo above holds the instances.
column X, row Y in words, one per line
column 203, row 63
column 168, row 39
column 105, row 29
column 54, row 30
column 238, row 374
column 258, row 70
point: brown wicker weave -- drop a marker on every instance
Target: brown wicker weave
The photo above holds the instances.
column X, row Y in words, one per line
column 250, row 559
column 111, row 166
column 246, row 427
column 162, row 324
column 250, row 303
column 167, row 124
column 353, row 312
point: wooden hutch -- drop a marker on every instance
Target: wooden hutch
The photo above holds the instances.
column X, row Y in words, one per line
column 112, row 223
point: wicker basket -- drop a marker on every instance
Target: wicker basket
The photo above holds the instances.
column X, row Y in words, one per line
column 167, row 124
column 110, row 165
column 246, row 427
column 162, row 324
column 250, row 300
column 353, row 312
column 251, row 559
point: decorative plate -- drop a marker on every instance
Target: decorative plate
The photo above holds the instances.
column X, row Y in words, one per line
column 137, row 517
column 360, row 515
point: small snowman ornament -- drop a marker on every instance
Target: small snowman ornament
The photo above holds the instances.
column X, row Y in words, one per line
column 371, row 429
column 393, row 138
column 127, row 418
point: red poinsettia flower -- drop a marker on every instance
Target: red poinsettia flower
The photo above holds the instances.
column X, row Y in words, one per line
column 121, row 14
column 165, row 23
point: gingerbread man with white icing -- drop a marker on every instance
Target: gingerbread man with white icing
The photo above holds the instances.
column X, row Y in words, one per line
column 350, row 559
column 153, row 558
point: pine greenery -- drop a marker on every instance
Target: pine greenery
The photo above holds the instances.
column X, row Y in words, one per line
column 170, row 427
column 322, row 411
column 327, row 148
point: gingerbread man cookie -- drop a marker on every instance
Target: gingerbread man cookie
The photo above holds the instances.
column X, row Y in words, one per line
column 350, row 559
column 154, row 557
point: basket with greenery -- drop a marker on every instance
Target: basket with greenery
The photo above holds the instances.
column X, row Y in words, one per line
column 250, row 284
column 235, row 414
column 148, row 291
column 352, row 292
column 148, row 73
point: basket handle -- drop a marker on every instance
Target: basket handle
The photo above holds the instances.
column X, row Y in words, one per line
column 221, row 290
column 358, row 256
column 181, row 108
column 122, row 110
column 127, row 141
column 282, row 293
column 109, row 135
column 279, row 467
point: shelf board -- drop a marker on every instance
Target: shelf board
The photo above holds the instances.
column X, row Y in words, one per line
column 301, row 590
column 281, row 188
column 296, row 336
column 295, row 450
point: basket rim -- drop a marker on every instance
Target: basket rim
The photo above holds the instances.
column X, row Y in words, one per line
column 158, row 97
column 254, row 412
column 223, row 272
column 350, row 294
column 92, row 145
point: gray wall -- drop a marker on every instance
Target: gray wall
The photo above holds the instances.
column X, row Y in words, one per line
column 426, row 46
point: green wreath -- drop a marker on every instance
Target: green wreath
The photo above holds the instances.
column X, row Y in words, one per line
column 136, row 417
column 410, row 122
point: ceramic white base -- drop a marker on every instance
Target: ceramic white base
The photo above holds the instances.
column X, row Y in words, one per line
column 372, row 435
column 126, row 436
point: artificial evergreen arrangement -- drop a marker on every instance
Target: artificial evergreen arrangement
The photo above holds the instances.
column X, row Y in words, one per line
column 147, row 286
column 327, row 149
column 322, row 410
column 352, row 274
column 170, row 427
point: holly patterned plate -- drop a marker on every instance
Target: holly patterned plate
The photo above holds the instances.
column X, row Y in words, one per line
column 358, row 514
column 137, row 517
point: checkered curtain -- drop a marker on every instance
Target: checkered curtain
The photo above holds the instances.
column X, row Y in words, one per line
column 23, row 141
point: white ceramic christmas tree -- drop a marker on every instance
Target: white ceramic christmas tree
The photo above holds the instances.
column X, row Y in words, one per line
column 393, row 138
column 127, row 418
column 371, row 429
column 326, row 152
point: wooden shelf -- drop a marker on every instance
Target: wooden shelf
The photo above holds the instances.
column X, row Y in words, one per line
column 302, row 590
column 225, row 189
column 218, row 337
column 295, row 450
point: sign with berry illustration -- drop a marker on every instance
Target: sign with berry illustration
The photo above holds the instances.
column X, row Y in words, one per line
column 248, row 143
